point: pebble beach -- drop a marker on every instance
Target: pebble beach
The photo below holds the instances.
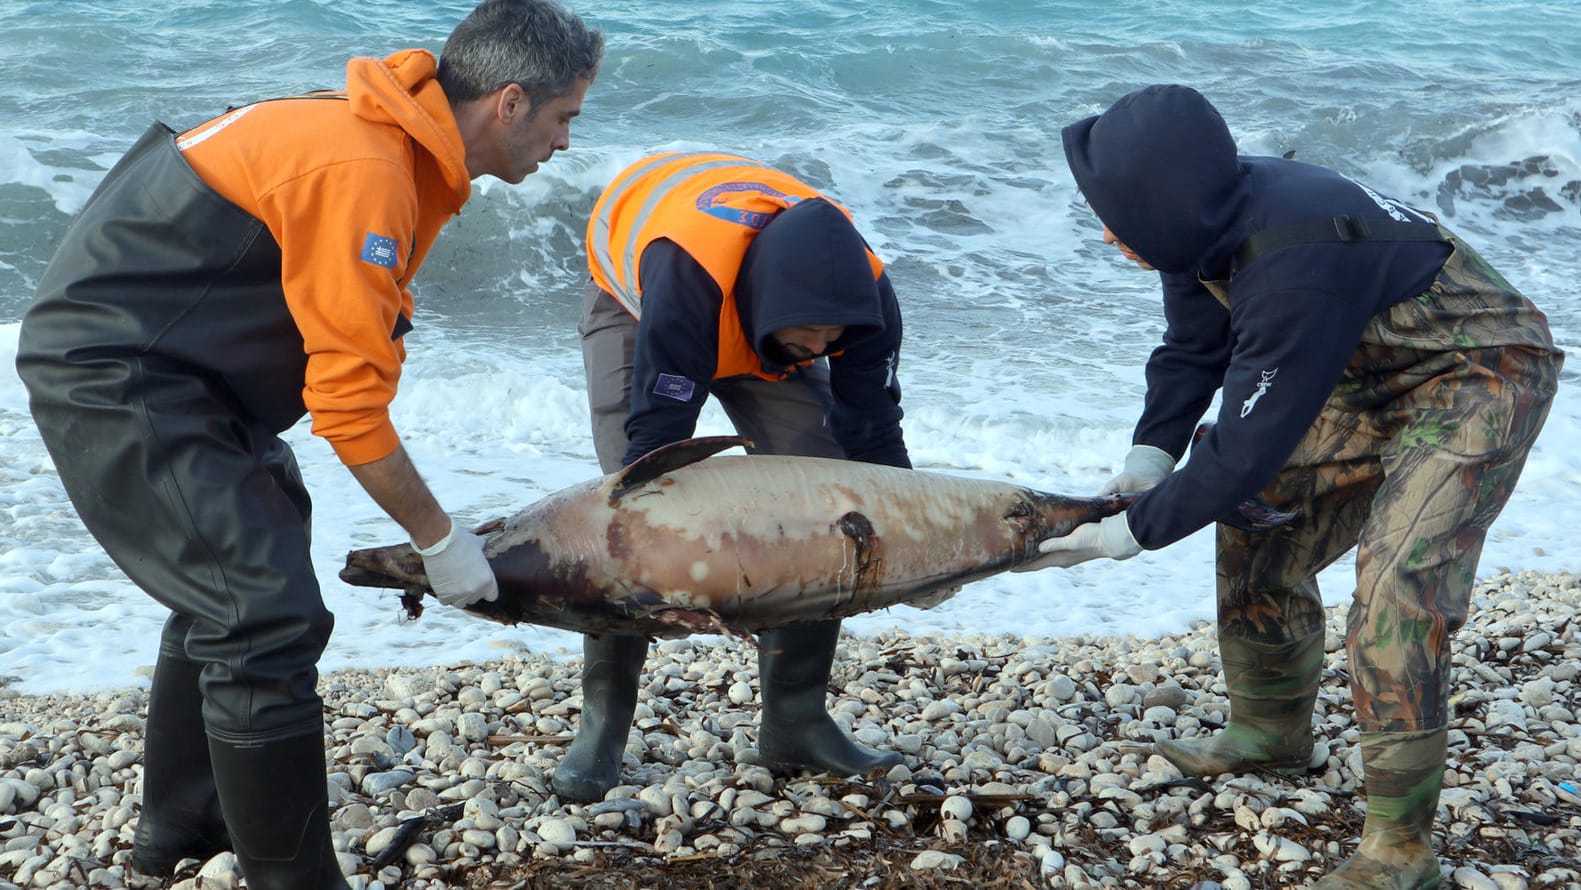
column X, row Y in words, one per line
column 1027, row 765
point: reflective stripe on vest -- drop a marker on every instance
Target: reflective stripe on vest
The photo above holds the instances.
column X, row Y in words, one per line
column 621, row 279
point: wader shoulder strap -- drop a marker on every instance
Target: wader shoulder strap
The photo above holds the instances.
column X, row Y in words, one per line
column 1335, row 229
column 316, row 94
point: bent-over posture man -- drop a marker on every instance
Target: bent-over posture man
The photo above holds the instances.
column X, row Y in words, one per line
column 221, row 283
column 1379, row 379
column 716, row 274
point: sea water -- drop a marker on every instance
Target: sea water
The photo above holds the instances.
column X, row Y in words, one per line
column 936, row 122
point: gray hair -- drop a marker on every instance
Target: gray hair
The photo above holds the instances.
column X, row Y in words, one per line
column 535, row 44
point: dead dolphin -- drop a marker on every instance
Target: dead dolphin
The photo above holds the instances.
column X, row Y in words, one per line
column 681, row 541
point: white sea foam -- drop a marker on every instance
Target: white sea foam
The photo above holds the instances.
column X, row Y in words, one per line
column 493, row 435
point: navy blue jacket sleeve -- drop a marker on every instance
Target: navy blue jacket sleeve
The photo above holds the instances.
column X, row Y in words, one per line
column 865, row 416
column 1187, row 369
column 1273, row 390
column 677, row 349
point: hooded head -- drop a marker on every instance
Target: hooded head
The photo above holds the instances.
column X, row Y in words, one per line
column 808, row 266
column 1160, row 170
column 401, row 90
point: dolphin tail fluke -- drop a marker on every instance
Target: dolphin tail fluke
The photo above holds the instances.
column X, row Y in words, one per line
column 1058, row 514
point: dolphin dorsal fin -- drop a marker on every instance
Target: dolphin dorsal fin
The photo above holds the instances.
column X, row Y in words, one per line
column 670, row 457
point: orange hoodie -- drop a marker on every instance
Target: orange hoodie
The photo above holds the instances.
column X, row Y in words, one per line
column 354, row 190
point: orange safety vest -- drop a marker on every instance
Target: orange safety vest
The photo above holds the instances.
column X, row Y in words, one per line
column 711, row 205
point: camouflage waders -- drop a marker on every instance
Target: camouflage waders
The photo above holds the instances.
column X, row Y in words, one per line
column 1413, row 456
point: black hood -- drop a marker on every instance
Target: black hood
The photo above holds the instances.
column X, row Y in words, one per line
column 808, row 266
column 1160, row 169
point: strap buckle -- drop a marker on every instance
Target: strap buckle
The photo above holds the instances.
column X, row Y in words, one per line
column 1352, row 228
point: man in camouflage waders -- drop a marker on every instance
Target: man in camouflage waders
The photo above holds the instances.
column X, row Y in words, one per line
column 1379, row 380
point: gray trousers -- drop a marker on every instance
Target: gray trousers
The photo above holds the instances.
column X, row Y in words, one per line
column 780, row 417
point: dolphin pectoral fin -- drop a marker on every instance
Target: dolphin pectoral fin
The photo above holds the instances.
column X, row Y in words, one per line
column 650, row 605
column 1252, row 514
column 702, row 622
column 933, row 597
column 670, row 457
column 1255, row 515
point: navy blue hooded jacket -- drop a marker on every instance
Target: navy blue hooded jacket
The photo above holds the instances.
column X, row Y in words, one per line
column 808, row 266
column 1160, row 169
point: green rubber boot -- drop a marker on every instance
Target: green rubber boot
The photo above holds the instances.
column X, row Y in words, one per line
column 1404, row 773
column 795, row 731
column 1272, row 691
column 611, row 669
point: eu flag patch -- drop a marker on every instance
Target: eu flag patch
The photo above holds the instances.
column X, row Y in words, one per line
column 379, row 250
column 674, row 386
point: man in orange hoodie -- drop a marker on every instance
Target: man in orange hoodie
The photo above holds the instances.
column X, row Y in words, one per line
column 220, row 284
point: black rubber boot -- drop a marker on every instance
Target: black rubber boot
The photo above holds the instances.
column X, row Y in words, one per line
column 611, row 668
column 795, row 731
column 276, row 801
column 181, row 816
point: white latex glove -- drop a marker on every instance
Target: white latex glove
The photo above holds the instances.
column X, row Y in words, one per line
column 1145, row 467
column 1109, row 537
column 457, row 569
